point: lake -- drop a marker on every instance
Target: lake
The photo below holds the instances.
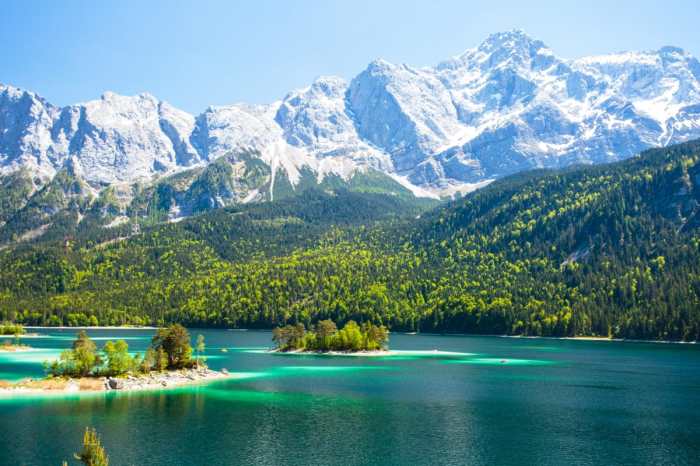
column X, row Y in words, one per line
column 486, row 401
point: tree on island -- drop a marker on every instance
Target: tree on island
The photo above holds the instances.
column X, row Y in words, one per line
column 79, row 361
column 290, row 336
column 325, row 329
column 118, row 359
column 174, row 341
column 325, row 336
column 84, row 360
column 85, row 353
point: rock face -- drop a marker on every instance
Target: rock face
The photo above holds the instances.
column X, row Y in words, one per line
column 508, row 105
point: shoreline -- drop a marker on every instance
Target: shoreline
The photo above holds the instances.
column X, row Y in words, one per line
column 536, row 337
column 580, row 337
column 130, row 383
column 608, row 339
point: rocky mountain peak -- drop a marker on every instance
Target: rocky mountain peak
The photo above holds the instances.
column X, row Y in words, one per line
column 506, row 105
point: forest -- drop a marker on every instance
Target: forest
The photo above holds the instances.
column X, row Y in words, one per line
column 608, row 250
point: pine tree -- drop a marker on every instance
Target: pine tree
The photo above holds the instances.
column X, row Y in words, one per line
column 200, row 348
column 93, row 454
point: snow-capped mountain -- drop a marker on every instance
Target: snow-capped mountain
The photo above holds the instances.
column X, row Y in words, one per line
column 509, row 104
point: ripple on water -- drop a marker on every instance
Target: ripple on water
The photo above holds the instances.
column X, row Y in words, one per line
column 501, row 362
column 305, row 370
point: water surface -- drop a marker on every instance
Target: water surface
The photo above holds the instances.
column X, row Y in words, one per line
column 479, row 400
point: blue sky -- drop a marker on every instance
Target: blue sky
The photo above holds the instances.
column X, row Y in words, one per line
column 194, row 54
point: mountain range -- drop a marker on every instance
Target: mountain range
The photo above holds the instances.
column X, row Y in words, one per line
column 507, row 105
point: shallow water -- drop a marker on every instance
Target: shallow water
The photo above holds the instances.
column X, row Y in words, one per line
column 479, row 400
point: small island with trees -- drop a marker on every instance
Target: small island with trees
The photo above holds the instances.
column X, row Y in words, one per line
column 9, row 329
column 325, row 337
column 167, row 362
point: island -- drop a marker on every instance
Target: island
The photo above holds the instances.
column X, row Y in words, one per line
column 9, row 329
column 325, row 338
column 168, row 362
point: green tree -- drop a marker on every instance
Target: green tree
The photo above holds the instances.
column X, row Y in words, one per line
column 175, row 342
column 349, row 338
column 79, row 361
column 325, row 331
column 92, row 454
column 161, row 360
column 118, row 359
column 376, row 336
column 149, row 361
column 200, row 348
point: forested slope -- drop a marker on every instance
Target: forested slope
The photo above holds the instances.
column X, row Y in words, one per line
column 605, row 250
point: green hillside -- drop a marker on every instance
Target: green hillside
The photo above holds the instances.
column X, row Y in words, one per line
column 606, row 250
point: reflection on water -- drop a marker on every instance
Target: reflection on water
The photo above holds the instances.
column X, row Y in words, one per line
column 473, row 401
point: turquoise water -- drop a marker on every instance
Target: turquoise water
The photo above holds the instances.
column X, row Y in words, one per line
column 479, row 401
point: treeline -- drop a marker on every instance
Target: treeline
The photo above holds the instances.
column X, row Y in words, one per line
column 607, row 250
column 325, row 336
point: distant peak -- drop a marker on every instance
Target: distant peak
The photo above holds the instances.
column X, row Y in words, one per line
column 672, row 52
column 379, row 64
column 329, row 85
column 513, row 39
column 15, row 92
column 668, row 49
column 112, row 96
column 334, row 80
column 11, row 89
column 513, row 47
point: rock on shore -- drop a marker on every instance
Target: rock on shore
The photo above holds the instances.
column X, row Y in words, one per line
column 163, row 379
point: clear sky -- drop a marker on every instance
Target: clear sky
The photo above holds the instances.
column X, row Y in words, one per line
column 195, row 54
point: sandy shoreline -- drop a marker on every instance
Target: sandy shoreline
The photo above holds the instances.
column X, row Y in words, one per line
column 129, row 383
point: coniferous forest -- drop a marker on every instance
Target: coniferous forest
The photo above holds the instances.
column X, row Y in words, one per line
column 607, row 250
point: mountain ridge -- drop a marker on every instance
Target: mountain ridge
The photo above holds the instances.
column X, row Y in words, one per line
column 506, row 105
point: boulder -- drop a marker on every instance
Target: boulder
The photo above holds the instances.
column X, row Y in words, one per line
column 116, row 384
